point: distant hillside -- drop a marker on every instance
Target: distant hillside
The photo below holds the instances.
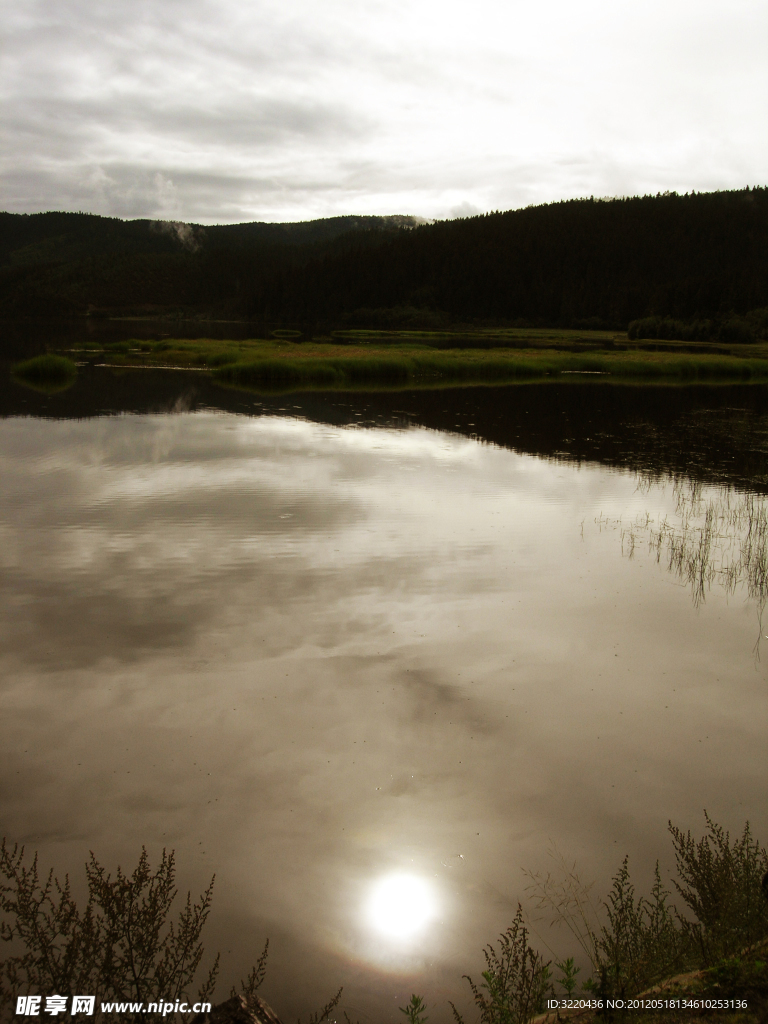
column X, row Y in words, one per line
column 581, row 263
column 575, row 263
column 74, row 264
column 67, row 237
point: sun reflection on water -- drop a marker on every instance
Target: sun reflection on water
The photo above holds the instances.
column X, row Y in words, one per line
column 400, row 906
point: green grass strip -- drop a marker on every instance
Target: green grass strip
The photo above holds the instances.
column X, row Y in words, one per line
column 429, row 367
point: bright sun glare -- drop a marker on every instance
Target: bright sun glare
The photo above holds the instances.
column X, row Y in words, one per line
column 401, row 905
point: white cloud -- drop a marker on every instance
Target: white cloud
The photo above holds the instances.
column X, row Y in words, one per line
column 257, row 110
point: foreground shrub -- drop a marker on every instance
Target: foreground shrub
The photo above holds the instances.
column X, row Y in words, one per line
column 739, row 977
column 515, row 982
column 642, row 942
column 415, row 1011
column 721, row 883
column 634, row 942
column 121, row 947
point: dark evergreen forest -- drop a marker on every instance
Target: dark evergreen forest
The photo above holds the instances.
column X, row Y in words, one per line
column 689, row 262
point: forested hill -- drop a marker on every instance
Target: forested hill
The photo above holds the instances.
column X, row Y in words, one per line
column 66, row 237
column 561, row 264
column 576, row 263
column 74, row 264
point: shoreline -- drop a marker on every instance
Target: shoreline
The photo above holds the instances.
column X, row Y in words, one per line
column 369, row 358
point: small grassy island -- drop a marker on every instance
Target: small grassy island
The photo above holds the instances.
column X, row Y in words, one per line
column 48, row 372
column 364, row 358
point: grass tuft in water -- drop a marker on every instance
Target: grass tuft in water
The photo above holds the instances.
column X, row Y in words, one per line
column 47, row 372
column 721, row 538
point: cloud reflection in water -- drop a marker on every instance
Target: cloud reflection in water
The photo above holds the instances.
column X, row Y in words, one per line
column 305, row 655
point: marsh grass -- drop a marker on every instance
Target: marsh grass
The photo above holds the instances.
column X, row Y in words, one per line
column 720, row 538
column 48, row 373
column 216, row 359
column 419, row 365
column 361, row 359
column 280, row 374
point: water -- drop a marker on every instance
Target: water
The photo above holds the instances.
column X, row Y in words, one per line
column 312, row 641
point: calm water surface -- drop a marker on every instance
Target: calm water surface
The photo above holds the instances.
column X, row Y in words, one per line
column 310, row 654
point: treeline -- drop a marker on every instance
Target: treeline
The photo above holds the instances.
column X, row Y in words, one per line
column 692, row 260
column 581, row 263
column 37, row 238
column 728, row 328
column 68, row 264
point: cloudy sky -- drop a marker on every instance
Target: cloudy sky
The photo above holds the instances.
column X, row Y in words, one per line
column 228, row 110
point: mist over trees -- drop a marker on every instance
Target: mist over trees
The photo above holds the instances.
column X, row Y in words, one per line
column 696, row 262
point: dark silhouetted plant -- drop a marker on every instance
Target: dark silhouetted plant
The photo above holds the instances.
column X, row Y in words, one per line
column 720, row 883
column 568, row 901
column 121, row 947
column 515, row 982
column 320, row 1015
column 568, row 971
column 415, row 1011
column 253, row 982
column 641, row 944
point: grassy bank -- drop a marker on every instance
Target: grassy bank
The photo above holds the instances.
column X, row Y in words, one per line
column 353, row 359
column 472, row 366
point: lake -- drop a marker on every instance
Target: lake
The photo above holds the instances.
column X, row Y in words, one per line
column 312, row 642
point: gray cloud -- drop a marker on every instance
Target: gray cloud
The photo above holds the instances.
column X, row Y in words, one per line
column 221, row 112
